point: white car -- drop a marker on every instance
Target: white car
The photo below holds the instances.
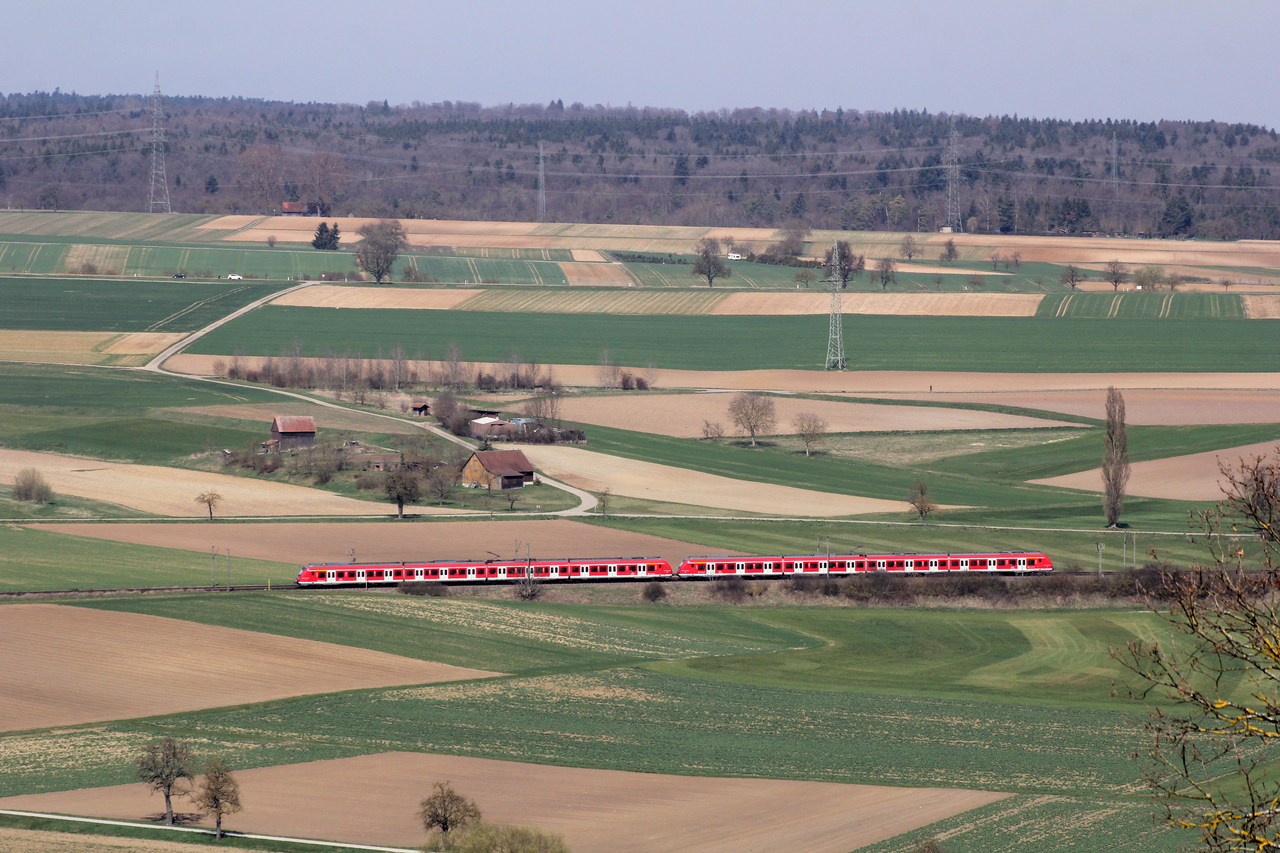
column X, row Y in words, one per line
column 234, row 277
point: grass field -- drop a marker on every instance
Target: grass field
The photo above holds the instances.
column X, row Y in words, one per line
column 40, row 560
column 949, row 532
column 121, row 305
column 1129, row 305
column 93, row 391
column 1024, row 345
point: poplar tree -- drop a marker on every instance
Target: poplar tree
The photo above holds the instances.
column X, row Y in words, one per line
column 1115, row 458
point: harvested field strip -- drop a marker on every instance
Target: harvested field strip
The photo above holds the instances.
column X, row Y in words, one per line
column 340, row 296
column 592, row 302
column 595, row 274
column 1262, row 307
column 648, row 813
column 79, row 666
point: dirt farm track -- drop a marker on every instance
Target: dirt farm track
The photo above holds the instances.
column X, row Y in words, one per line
column 598, row 811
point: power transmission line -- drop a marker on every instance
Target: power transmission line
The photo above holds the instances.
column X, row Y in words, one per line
column 159, row 185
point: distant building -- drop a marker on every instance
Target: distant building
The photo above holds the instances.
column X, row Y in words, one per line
column 489, row 427
column 299, row 208
column 290, row 431
column 504, row 469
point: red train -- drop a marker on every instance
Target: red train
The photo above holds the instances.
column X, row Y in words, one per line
column 646, row 568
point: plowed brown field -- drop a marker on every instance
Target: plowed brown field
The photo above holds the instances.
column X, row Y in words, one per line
column 683, row 415
column 1195, row 477
column 299, row 543
column 607, row 275
column 1262, row 307
column 597, row 811
column 172, row 491
column 70, row 665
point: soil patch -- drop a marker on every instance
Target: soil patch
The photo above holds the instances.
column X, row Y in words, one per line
column 62, row 347
column 336, row 296
column 683, row 415
column 172, row 491
column 299, row 543
column 1262, row 307
column 598, row 811
column 607, row 275
column 142, row 343
column 633, row 478
column 71, row 665
column 1194, row 477
column 588, row 256
column 34, row 841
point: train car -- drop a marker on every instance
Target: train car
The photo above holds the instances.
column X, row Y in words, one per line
column 843, row 565
column 492, row 571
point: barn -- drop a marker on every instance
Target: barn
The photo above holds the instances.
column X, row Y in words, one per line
column 506, row 469
column 490, row 427
column 290, row 431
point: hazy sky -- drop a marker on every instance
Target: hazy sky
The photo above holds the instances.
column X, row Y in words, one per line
column 1176, row 59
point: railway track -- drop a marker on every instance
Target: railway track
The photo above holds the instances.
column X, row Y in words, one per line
column 141, row 590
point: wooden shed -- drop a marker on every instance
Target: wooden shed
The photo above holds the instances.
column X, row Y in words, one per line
column 505, row 469
column 290, row 431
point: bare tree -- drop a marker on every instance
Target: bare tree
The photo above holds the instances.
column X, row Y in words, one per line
column 441, row 486
column 1072, row 275
column 1115, row 458
column 608, row 374
column 1149, row 277
column 794, row 233
column 753, row 413
column 1116, row 273
column 886, row 272
column 605, row 494
column 382, row 243
column 402, row 486
column 920, row 500
column 30, row 485
column 321, row 174
column 805, row 276
column 909, row 248
column 446, row 810
column 167, row 767
column 262, row 176
column 210, row 499
column 712, row 430
column 977, row 282
column 995, row 259
column 709, row 264
column 842, row 264
column 219, row 793
column 810, row 428
column 1016, row 257
column 1213, row 731
column 949, row 251
column 454, row 369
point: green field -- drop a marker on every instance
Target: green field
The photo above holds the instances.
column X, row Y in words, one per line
column 1012, row 701
column 47, row 560
column 1023, row 345
column 1147, row 306
column 121, row 305
column 91, row 391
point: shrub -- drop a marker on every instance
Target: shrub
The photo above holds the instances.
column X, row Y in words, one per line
column 653, row 592
column 370, row 481
column 30, row 485
column 730, row 589
column 431, row 589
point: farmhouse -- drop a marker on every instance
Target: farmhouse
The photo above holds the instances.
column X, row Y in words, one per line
column 507, row 469
column 290, row 431
column 488, row 426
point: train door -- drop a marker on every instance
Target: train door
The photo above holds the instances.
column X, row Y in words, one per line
column 881, row 565
column 1022, row 564
column 330, row 575
column 360, row 575
column 471, row 573
column 417, row 574
column 933, row 565
column 613, row 570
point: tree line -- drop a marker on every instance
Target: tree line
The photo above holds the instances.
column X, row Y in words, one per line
column 752, row 167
